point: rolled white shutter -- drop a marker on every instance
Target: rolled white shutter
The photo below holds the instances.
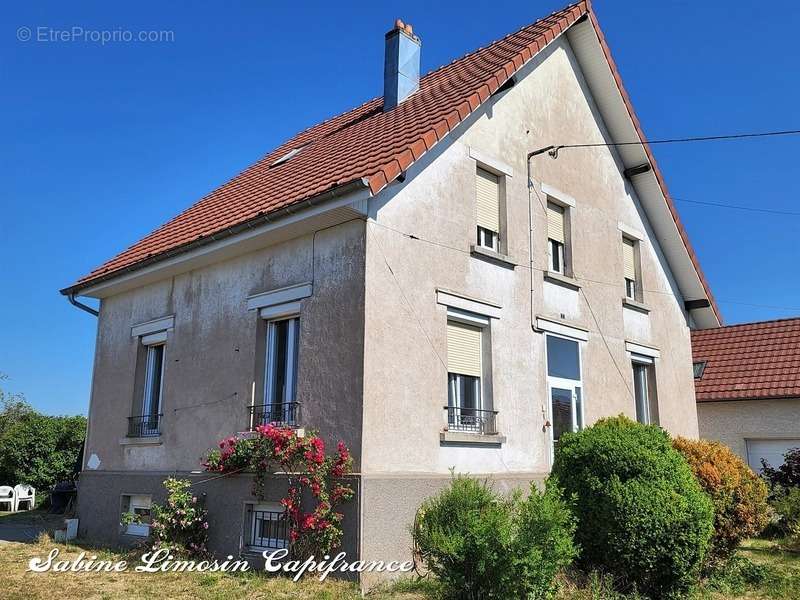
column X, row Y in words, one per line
column 555, row 222
column 488, row 188
column 628, row 258
column 463, row 349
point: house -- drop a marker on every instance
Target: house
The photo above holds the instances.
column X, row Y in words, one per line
column 747, row 383
column 390, row 277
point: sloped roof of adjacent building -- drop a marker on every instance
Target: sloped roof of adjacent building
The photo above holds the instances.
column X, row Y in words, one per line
column 365, row 146
column 748, row 361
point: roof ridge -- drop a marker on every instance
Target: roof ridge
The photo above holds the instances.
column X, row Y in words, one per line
column 750, row 324
column 505, row 37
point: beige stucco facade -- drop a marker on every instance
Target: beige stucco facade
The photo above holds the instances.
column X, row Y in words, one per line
column 734, row 423
column 372, row 355
column 405, row 375
column 211, row 355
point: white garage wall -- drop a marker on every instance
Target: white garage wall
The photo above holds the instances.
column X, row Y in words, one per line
column 734, row 423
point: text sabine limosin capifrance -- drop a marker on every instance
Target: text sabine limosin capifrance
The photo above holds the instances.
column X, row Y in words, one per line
column 162, row 561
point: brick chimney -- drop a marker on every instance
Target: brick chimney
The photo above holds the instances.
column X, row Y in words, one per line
column 401, row 65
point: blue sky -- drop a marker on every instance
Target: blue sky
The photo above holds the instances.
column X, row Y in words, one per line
column 103, row 142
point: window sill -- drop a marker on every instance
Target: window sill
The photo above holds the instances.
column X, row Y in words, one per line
column 635, row 305
column 152, row 440
column 563, row 280
column 471, row 439
column 488, row 254
column 138, row 530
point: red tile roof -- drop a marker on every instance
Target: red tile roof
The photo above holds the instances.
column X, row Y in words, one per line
column 749, row 361
column 364, row 144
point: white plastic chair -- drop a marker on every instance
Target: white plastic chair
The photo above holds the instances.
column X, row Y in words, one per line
column 25, row 494
column 8, row 496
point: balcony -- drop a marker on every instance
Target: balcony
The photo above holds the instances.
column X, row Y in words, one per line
column 471, row 420
column 144, row 426
column 471, row 426
column 283, row 414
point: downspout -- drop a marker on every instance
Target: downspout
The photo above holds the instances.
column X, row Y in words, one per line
column 530, row 220
column 83, row 307
column 546, row 422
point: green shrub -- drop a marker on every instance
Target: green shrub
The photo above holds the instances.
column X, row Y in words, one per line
column 180, row 523
column 739, row 495
column 481, row 545
column 39, row 450
column 785, row 476
column 787, row 505
column 734, row 576
column 641, row 514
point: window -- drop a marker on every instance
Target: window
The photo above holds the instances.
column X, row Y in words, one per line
column 488, row 203
column 565, row 387
column 556, row 237
column 699, row 368
column 266, row 527
column 280, row 382
column 631, row 269
column 644, row 390
column 136, row 514
column 466, row 407
column 146, row 422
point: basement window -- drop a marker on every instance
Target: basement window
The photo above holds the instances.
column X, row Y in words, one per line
column 136, row 517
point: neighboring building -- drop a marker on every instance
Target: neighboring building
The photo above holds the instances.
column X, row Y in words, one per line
column 391, row 272
column 747, row 382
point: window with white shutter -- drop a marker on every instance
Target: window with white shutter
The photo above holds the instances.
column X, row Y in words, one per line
column 464, row 375
column 556, row 237
column 488, row 208
column 630, row 269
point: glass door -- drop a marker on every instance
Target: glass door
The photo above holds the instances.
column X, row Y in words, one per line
column 565, row 388
column 566, row 410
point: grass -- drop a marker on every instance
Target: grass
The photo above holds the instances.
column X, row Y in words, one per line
column 19, row 584
column 762, row 571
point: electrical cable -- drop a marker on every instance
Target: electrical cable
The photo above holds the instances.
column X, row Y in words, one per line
column 554, row 149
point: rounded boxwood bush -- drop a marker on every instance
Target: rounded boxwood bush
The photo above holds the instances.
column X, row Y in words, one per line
column 739, row 495
column 641, row 514
column 481, row 545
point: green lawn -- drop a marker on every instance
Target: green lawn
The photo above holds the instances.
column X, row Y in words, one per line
column 776, row 576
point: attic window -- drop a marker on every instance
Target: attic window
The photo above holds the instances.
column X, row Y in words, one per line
column 699, row 368
column 289, row 155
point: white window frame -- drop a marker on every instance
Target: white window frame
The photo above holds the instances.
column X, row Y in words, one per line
column 578, row 406
column 488, row 239
column 555, row 250
column 141, row 502
column 483, row 323
column 560, row 250
column 633, row 287
column 292, row 362
column 647, row 363
column 152, row 342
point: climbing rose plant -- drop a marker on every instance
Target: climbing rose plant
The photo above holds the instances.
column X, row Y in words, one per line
column 307, row 469
column 180, row 524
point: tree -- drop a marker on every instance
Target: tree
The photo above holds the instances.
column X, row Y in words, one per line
column 36, row 449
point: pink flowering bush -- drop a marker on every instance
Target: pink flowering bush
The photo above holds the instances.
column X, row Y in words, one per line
column 180, row 524
column 307, row 469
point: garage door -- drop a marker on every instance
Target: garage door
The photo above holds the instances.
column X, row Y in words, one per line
column 771, row 451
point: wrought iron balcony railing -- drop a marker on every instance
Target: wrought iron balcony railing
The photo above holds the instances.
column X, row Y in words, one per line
column 144, row 426
column 285, row 414
column 471, row 420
